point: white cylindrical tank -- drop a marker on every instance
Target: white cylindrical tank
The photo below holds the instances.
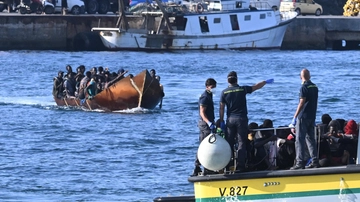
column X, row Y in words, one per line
column 214, row 152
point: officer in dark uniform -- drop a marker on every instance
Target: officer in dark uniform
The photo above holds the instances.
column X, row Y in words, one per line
column 304, row 122
column 207, row 116
column 234, row 98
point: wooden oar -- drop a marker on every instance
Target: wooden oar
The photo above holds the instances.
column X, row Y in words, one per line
column 87, row 102
column 66, row 102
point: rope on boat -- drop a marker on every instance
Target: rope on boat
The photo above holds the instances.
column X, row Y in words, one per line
column 66, row 102
column 137, row 89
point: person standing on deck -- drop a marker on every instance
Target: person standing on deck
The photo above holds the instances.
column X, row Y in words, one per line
column 234, row 98
column 304, row 122
column 207, row 117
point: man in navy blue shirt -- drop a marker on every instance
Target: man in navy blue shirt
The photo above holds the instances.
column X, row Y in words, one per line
column 304, row 122
column 234, row 98
column 207, row 116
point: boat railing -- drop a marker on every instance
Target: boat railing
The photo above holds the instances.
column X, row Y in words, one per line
column 287, row 15
column 261, row 5
column 358, row 147
column 318, row 131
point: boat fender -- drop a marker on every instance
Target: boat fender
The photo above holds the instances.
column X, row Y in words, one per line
column 199, row 8
column 214, row 152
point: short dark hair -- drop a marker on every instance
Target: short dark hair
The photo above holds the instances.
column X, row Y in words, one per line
column 232, row 77
column 326, row 118
column 210, row 81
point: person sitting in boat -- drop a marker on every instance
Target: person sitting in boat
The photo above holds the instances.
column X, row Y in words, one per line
column 339, row 146
column 120, row 76
column 322, row 128
column 91, row 88
column 161, row 86
column 251, row 159
column 69, row 71
column 79, row 76
column 153, row 73
column 265, row 147
column 100, row 84
column 58, row 85
column 350, row 135
column 70, row 85
column 83, row 85
column 286, row 148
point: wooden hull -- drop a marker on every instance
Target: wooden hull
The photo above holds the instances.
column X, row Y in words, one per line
column 139, row 91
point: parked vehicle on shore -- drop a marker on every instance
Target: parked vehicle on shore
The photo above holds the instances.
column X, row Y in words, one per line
column 302, row 7
column 74, row 7
column 103, row 6
column 36, row 6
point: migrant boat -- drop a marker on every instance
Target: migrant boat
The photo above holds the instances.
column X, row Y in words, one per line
column 130, row 92
column 201, row 25
column 331, row 184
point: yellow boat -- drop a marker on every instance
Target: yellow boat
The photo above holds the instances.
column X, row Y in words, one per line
column 330, row 184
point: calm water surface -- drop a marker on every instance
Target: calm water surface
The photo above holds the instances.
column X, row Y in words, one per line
column 51, row 153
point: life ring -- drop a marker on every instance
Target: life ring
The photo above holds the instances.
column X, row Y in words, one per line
column 199, row 8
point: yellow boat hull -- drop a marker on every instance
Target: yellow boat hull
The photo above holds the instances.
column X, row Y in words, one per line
column 330, row 184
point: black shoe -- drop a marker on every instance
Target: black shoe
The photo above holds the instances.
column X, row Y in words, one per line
column 196, row 171
column 313, row 166
column 297, row 167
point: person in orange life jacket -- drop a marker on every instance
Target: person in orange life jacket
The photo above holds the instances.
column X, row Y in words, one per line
column 234, row 98
column 206, row 122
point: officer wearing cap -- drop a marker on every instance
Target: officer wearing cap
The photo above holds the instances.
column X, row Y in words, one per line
column 234, row 98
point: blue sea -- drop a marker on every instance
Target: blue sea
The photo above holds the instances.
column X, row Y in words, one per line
column 51, row 153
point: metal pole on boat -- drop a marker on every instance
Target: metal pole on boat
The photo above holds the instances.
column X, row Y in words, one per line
column 358, row 148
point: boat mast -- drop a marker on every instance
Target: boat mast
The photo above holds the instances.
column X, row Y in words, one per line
column 164, row 17
column 122, row 20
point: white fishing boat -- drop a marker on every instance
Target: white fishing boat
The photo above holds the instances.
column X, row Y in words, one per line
column 205, row 25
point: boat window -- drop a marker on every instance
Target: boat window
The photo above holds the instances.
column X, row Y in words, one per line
column 262, row 16
column 180, row 22
column 234, row 22
column 238, row 4
column 204, row 24
column 217, row 20
column 247, row 17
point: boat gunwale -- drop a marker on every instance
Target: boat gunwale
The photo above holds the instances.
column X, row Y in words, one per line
column 355, row 168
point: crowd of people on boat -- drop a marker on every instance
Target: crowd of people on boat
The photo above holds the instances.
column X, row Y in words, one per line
column 86, row 84
column 302, row 144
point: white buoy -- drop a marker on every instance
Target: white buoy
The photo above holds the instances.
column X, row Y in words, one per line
column 214, row 152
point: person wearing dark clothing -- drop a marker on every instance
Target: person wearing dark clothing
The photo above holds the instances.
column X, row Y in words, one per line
column 234, row 98
column 322, row 128
column 207, row 116
column 120, row 76
column 58, row 85
column 83, row 85
column 304, row 122
column 153, row 73
column 70, row 85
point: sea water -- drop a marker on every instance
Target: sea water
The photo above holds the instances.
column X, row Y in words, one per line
column 51, row 153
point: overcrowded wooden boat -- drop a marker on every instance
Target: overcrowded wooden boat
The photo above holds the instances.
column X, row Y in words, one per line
column 130, row 92
column 331, row 184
